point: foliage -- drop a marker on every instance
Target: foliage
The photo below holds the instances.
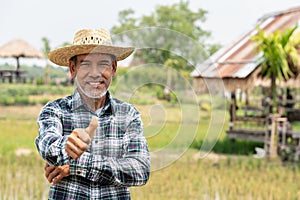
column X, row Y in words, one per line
column 279, row 57
column 162, row 31
column 14, row 94
column 46, row 49
column 149, row 79
column 34, row 71
column 233, row 147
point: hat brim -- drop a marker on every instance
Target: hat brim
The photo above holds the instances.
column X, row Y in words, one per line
column 61, row 56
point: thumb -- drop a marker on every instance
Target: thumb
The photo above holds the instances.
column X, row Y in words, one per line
column 92, row 127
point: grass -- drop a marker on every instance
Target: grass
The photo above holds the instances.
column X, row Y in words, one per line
column 221, row 177
column 184, row 175
column 21, row 177
column 296, row 125
column 18, row 127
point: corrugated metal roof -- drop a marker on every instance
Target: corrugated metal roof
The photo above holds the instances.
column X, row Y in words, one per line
column 240, row 59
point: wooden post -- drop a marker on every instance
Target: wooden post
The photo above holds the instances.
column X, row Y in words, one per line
column 232, row 110
column 282, row 121
column 271, row 137
column 247, row 97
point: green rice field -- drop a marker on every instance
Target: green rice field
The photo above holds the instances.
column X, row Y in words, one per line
column 187, row 176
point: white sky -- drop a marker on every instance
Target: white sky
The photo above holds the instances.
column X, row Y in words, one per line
column 58, row 20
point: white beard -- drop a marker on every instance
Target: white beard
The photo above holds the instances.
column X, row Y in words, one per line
column 90, row 94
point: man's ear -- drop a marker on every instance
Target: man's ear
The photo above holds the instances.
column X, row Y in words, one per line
column 72, row 68
column 114, row 65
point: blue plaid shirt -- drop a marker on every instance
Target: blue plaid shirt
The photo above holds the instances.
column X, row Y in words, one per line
column 117, row 157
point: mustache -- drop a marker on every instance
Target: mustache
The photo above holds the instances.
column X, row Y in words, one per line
column 100, row 80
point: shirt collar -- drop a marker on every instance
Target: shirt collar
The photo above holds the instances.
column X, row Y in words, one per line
column 76, row 102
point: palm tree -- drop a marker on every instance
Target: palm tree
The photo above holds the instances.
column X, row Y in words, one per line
column 279, row 58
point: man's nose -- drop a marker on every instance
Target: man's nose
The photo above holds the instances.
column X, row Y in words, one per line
column 95, row 71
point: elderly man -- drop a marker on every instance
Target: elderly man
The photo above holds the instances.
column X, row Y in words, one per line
column 93, row 144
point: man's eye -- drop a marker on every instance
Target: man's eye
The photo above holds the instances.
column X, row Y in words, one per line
column 103, row 65
column 84, row 64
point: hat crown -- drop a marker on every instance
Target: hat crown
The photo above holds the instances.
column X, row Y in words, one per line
column 94, row 37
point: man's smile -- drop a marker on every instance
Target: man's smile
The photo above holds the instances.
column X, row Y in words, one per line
column 96, row 84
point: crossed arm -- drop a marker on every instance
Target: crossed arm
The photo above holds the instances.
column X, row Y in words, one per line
column 132, row 169
column 76, row 144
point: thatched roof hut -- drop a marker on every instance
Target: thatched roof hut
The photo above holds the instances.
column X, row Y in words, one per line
column 19, row 48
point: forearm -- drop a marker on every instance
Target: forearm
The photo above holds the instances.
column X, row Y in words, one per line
column 52, row 137
column 129, row 171
column 51, row 148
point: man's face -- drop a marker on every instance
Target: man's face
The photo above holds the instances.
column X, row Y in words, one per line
column 93, row 73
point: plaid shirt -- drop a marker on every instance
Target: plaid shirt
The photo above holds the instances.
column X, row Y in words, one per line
column 117, row 157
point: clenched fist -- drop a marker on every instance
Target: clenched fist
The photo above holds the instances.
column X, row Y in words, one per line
column 79, row 140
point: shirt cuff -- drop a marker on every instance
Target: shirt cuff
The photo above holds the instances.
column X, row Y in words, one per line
column 80, row 166
column 89, row 166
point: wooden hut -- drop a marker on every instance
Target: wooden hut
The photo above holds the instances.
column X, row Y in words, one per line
column 237, row 66
column 17, row 49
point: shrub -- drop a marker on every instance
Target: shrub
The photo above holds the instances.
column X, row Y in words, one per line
column 39, row 81
column 19, row 94
column 22, row 100
column 160, row 93
column 7, row 100
column 226, row 146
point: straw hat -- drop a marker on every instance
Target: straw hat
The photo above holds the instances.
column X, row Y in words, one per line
column 89, row 41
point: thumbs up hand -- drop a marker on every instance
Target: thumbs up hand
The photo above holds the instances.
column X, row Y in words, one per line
column 79, row 140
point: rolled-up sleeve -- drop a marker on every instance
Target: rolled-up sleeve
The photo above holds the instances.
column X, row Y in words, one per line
column 51, row 142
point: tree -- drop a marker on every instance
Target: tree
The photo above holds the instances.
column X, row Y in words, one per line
column 279, row 59
column 46, row 49
column 160, row 31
